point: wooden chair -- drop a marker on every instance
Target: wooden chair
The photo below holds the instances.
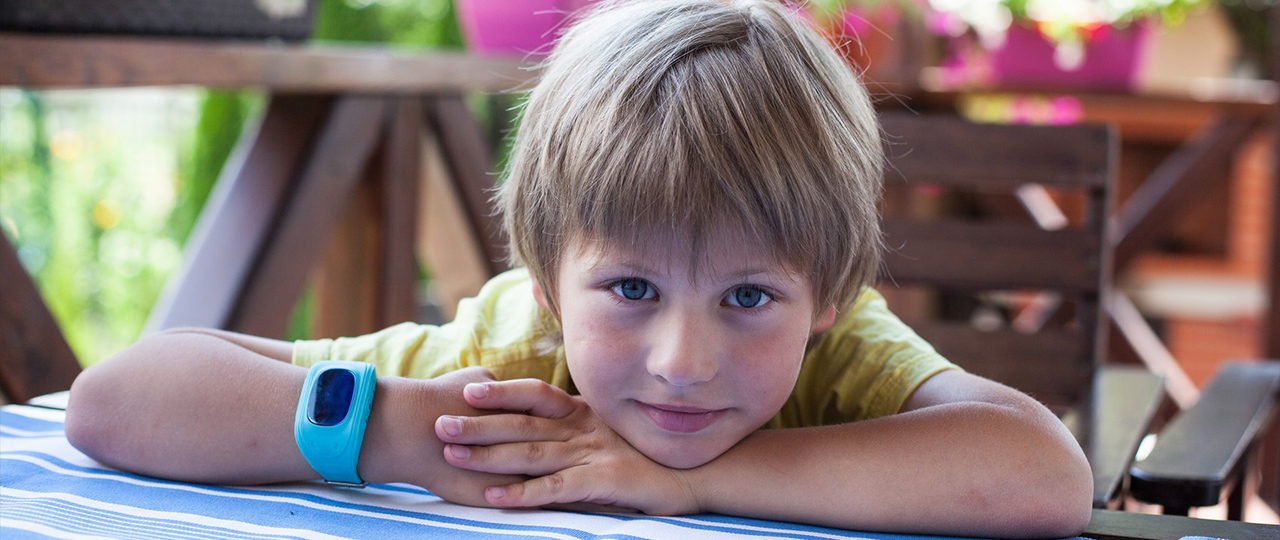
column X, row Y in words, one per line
column 971, row 271
column 1209, row 453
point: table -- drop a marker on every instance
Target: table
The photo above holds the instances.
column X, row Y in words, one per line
column 331, row 179
column 48, row 489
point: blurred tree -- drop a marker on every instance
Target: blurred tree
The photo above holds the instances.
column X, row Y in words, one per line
column 86, row 187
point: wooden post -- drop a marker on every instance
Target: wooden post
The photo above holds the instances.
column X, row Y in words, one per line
column 236, row 223
column 470, row 166
column 34, row 357
column 334, row 168
column 368, row 278
column 1271, row 328
column 1269, row 451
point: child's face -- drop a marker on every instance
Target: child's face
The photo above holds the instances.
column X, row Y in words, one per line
column 684, row 368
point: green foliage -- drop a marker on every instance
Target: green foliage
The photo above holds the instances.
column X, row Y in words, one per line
column 428, row 23
column 222, row 119
column 87, row 183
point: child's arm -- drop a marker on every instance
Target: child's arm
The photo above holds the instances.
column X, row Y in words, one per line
column 218, row 407
column 966, row 456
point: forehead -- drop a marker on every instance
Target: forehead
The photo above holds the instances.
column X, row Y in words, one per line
column 723, row 255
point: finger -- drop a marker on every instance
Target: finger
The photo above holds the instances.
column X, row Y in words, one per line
column 528, row 458
column 556, row 488
column 525, row 395
column 499, row 428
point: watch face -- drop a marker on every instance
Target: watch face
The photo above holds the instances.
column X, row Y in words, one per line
column 332, row 399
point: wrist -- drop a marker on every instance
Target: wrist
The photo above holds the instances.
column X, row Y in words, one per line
column 400, row 444
column 379, row 458
column 696, row 484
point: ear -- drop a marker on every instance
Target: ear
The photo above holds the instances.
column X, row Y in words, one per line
column 825, row 321
column 538, row 297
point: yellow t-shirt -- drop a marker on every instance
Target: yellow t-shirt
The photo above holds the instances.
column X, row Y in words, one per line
column 864, row 367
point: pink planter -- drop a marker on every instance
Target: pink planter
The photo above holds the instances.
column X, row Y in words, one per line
column 1112, row 59
column 514, row 27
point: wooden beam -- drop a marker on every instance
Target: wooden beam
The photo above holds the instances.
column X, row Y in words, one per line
column 34, row 357
column 1158, row 202
column 1269, row 453
column 334, row 168
column 1045, row 365
column 367, row 279
column 1067, row 156
column 1115, row 525
column 1150, row 350
column 59, row 61
column 1123, row 403
column 235, row 224
column 470, row 165
column 1203, row 451
column 1271, row 319
column 452, row 254
column 345, row 282
column 401, row 187
column 991, row 255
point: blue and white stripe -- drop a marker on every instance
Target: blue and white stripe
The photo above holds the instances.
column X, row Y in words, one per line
column 48, row 489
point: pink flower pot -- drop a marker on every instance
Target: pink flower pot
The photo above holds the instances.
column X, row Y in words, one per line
column 514, row 27
column 1112, row 58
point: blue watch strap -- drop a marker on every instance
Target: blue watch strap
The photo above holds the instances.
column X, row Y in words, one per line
column 333, row 411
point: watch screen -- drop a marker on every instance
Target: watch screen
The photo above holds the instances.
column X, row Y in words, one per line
column 333, row 397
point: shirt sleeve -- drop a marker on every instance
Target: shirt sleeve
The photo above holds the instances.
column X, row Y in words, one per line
column 497, row 329
column 865, row 366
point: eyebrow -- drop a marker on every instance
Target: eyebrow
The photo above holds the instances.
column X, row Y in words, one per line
column 608, row 266
column 750, row 272
column 640, row 269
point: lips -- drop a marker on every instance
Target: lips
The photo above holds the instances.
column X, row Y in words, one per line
column 678, row 419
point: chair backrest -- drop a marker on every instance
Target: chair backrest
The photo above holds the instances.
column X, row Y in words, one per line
column 965, row 259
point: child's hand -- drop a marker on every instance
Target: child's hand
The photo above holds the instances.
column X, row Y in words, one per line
column 557, row 438
column 396, row 452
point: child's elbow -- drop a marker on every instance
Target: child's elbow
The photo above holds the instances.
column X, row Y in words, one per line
column 103, row 417
column 1060, row 518
column 88, row 425
column 1060, row 501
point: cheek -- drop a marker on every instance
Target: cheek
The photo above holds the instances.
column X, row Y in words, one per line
column 771, row 361
column 598, row 345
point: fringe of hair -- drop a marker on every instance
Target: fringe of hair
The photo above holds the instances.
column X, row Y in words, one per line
column 673, row 120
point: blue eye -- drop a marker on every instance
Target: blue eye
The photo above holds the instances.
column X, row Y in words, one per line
column 633, row 289
column 748, row 297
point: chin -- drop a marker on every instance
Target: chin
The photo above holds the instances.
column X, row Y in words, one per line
column 678, row 456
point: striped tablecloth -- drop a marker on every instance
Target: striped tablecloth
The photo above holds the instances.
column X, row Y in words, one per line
column 50, row 490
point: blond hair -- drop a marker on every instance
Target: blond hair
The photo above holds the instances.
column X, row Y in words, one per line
column 671, row 119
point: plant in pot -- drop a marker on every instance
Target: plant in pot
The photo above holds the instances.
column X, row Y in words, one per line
column 514, row 27
column 1095, row 44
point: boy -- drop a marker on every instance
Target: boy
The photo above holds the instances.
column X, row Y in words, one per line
column 693, row 193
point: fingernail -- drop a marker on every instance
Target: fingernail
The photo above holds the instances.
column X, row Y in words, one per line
column 496, row 492
column 478, row 391
column 459, row 451
column 452, row 426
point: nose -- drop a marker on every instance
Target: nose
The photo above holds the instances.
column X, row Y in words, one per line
column 684, row 353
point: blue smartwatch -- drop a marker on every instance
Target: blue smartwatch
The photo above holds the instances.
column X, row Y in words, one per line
column 333, row 411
